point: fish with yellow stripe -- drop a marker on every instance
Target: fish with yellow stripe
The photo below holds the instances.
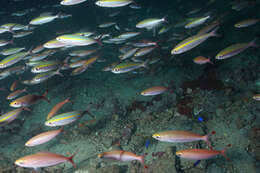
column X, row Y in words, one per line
column 12, row 59
column 65, row 118
column 192, row 42
column 113, row 3
column 235, row 49
column 10, row 116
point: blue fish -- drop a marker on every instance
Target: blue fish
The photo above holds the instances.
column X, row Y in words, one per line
column 147, row 143
column 200, row 119
column 196, row 163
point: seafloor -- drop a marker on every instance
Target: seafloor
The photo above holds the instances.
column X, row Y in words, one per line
column 221, row 94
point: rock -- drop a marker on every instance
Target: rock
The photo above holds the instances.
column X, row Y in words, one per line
column 165, row 163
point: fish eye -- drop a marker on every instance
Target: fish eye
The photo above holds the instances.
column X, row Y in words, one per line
column 156, row 136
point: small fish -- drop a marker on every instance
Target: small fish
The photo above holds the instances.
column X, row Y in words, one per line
column 196, row 163
column 43, row 19
column 177, row 136
column 106, row 25
column 56, row 108
column 202, row 60
column 147, row 143
column 71, row 2
column 200, row 154
column 196, row 22
column 256, row 97
column 12, row 59
column 154, row 91
column 22, row 34
column 42, row 77
column 128, row 66
column 46, row 66
column 10, row 116
column 5, row 42
column 128, row 35
column 43, row 159
column 121, row 155
column 15, row 94
column 192, row 42
column 150, row 23
column 38, row 49
column 234, row 49
column 209, row 27
column 43, row 137
column 128, row 54
column 14, row 85
column 28, row 100
column 246, row 23
column 144, row 51
column 77, row 40
column 65, row 118
column 113, row 3
column 11, row 51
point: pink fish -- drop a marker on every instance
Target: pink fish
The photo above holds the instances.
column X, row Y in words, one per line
column 202, row 60
column 154, row 91
column 43, row 159
column 200, row 154
column 121, row 155
column 43, row 137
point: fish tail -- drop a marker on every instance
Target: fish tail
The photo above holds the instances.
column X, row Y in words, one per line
column 214, row 32
column 44, row 96
column 141, row 159
column 70, row 159
column 206, row 139
column 223, row 152
column 253, row 44
column 99, row 40
column 145, row 64
column 59, row 73
column 209, row 60
column 165, row 19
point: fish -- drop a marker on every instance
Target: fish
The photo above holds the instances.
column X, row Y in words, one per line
column 196, row 22
column 202, row 60
column 5, row 42
column 234, row 49
column 200, row 154
column 106, row 25
column 42, row 77
column 71, row 2
column 113, row 3
column 144, row 51
column 43, row 19
column 46, row 66
column 11, row 51
column 10, row 116
column 147, row 143
column 128, row 66
column 38, row 49
column 256, row 97
column 56, row 108
column 12, row 59
column 65, row 118
column 21, row 34
column 179, row 136
column 77, row 40
column 120, row 155
column 29, row 100
column 154, row 91
column 209, row 27
column 14, row 85
column 192, row 42
column 15, row 94
column 128, row 35
column 150, row 23
column 43, row 137
column 128, row 54
column 246, row 23
column 43, row 159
